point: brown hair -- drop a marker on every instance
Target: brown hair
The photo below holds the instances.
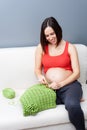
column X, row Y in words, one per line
column 52, row 22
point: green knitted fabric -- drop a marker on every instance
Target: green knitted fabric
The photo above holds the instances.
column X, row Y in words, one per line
column 37, row 98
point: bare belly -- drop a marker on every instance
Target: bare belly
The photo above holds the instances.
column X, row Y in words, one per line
column 57, row 74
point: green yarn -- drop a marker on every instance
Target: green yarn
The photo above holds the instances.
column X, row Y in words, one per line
column 37, row 98
column 8, row 93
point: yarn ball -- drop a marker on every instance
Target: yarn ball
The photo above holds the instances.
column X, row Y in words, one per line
column 8, row 93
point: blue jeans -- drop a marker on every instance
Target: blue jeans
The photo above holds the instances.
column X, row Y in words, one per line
column 70, row 95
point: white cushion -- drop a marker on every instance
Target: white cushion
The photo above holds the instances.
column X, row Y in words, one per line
column 82, row 54
column 17, row 67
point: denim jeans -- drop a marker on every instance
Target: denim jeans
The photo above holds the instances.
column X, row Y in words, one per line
column 70, row 95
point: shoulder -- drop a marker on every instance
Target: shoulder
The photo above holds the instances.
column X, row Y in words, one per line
column 39, row 49
column 72, row 48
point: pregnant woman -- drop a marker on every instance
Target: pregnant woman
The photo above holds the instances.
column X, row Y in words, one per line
column 57, row 66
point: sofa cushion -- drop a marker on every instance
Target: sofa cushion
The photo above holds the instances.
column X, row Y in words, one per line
column 37, row 98
column 11, row 116
column 82, row 55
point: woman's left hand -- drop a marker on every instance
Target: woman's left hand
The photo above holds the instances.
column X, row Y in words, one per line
column 54, row 85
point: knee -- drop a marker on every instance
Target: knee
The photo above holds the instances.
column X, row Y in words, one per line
column 72, row 106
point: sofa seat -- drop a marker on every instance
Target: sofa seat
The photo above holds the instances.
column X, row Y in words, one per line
column 13, row 119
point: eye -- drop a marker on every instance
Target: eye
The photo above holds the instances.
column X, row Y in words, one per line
column 49, row 34
column 52, row 33
column 46, row 36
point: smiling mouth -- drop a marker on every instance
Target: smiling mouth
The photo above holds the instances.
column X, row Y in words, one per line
column 53, row 41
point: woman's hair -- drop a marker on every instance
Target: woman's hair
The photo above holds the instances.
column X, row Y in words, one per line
column 52, row 22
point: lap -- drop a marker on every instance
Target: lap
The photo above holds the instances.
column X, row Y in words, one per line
column 70, row 92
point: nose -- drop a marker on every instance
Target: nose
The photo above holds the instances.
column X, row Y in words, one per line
column 50, row 37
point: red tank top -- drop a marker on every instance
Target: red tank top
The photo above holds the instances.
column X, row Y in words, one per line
column 61, row 61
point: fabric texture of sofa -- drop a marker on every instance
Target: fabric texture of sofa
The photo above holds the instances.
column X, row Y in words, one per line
column 17, row 72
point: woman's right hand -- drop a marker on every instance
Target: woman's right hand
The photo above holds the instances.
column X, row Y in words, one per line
column 42, row 80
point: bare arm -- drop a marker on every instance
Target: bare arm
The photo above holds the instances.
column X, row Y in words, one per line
column 38, row 65
column 75, row 66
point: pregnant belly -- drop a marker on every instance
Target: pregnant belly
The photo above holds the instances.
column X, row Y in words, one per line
column 57, row 74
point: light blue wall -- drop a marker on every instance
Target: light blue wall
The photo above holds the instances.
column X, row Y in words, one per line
column 20, row 20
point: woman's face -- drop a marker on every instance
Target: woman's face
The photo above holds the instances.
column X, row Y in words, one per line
column 50, row 35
